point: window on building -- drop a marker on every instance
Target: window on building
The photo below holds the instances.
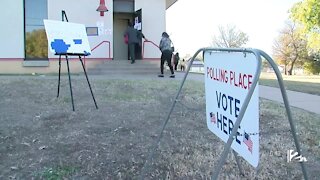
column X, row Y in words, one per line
column 36, row 44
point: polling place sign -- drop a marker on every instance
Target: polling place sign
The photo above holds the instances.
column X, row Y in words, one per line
column 228, row 78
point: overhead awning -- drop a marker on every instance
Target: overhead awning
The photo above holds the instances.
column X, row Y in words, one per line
column 170, row 3
column 127, row 5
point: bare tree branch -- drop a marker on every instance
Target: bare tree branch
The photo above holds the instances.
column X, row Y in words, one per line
column 229, row 37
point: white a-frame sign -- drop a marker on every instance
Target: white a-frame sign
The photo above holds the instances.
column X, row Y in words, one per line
column 228, row 79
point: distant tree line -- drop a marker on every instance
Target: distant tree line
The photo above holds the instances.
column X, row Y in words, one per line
column 298, row 43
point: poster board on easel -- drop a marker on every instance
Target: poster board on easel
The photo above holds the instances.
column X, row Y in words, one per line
column 67, row 38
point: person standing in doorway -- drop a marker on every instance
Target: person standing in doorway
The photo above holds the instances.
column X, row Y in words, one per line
column 133, row 40
column 166, row 53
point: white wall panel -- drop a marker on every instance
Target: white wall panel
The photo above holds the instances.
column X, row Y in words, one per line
column 11, row 29
column 84, row 12
column 153, row 23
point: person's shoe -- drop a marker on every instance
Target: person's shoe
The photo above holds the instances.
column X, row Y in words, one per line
column 160, row 75
column 172, row 76
column 132, row 62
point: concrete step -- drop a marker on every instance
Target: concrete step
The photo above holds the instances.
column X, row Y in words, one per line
column 125, row 67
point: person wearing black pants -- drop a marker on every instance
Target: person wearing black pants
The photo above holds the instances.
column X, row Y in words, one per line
column 176, row 61
column 133, row 40
column 166, row 56
column 165, row 48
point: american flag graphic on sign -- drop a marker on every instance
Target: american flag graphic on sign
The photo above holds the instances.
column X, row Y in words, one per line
column 247, row 141
column 213, row 118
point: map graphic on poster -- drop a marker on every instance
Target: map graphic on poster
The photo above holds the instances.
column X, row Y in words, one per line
column 67, row 38
column 228, row 78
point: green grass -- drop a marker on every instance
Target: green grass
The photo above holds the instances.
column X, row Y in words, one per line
column 188, row 149
column 305, row 84
column 57, row 173
column 135, row 90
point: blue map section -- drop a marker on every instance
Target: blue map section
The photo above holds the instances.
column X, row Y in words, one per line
column 86, row 53
column 60, row 46
column 77, row 41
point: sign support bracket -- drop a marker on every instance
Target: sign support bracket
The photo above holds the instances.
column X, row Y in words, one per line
column 233, row 133
column 258, row 54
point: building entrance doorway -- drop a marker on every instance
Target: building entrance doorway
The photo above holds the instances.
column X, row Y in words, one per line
column 120, row 24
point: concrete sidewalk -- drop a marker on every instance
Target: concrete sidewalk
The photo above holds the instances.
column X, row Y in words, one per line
column 304, row 101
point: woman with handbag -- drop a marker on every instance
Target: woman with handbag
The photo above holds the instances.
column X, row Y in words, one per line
column 166, row 54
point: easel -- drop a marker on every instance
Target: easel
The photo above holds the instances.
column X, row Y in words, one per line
column 233, row 134
column 71, row 54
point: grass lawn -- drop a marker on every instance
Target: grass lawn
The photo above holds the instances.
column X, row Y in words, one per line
column 42, row 138
column 305, row 84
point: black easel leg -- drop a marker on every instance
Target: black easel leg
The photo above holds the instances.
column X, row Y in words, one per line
column 59, row 76
column 85, row 73
column 70, row 82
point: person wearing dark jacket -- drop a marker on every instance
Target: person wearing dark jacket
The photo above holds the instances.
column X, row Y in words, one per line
column 176, row 61
column 133, row 40
column 166, row 54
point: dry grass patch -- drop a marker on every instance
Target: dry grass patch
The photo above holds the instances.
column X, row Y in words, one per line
column 41, row 137
column 305, row 84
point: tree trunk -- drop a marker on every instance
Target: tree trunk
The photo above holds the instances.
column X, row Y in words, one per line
column 291, row 66
column 285, row 69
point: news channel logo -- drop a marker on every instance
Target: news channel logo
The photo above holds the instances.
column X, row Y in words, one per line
column 293, row 156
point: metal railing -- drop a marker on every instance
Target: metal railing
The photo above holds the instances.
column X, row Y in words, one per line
column 143, row 46
column 109, row 47
column 109, row 50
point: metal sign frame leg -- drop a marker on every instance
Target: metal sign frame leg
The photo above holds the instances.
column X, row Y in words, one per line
column 288, row 110
column 155, row 145
column 223, row 157
column 235, row 128
column 227, row 147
